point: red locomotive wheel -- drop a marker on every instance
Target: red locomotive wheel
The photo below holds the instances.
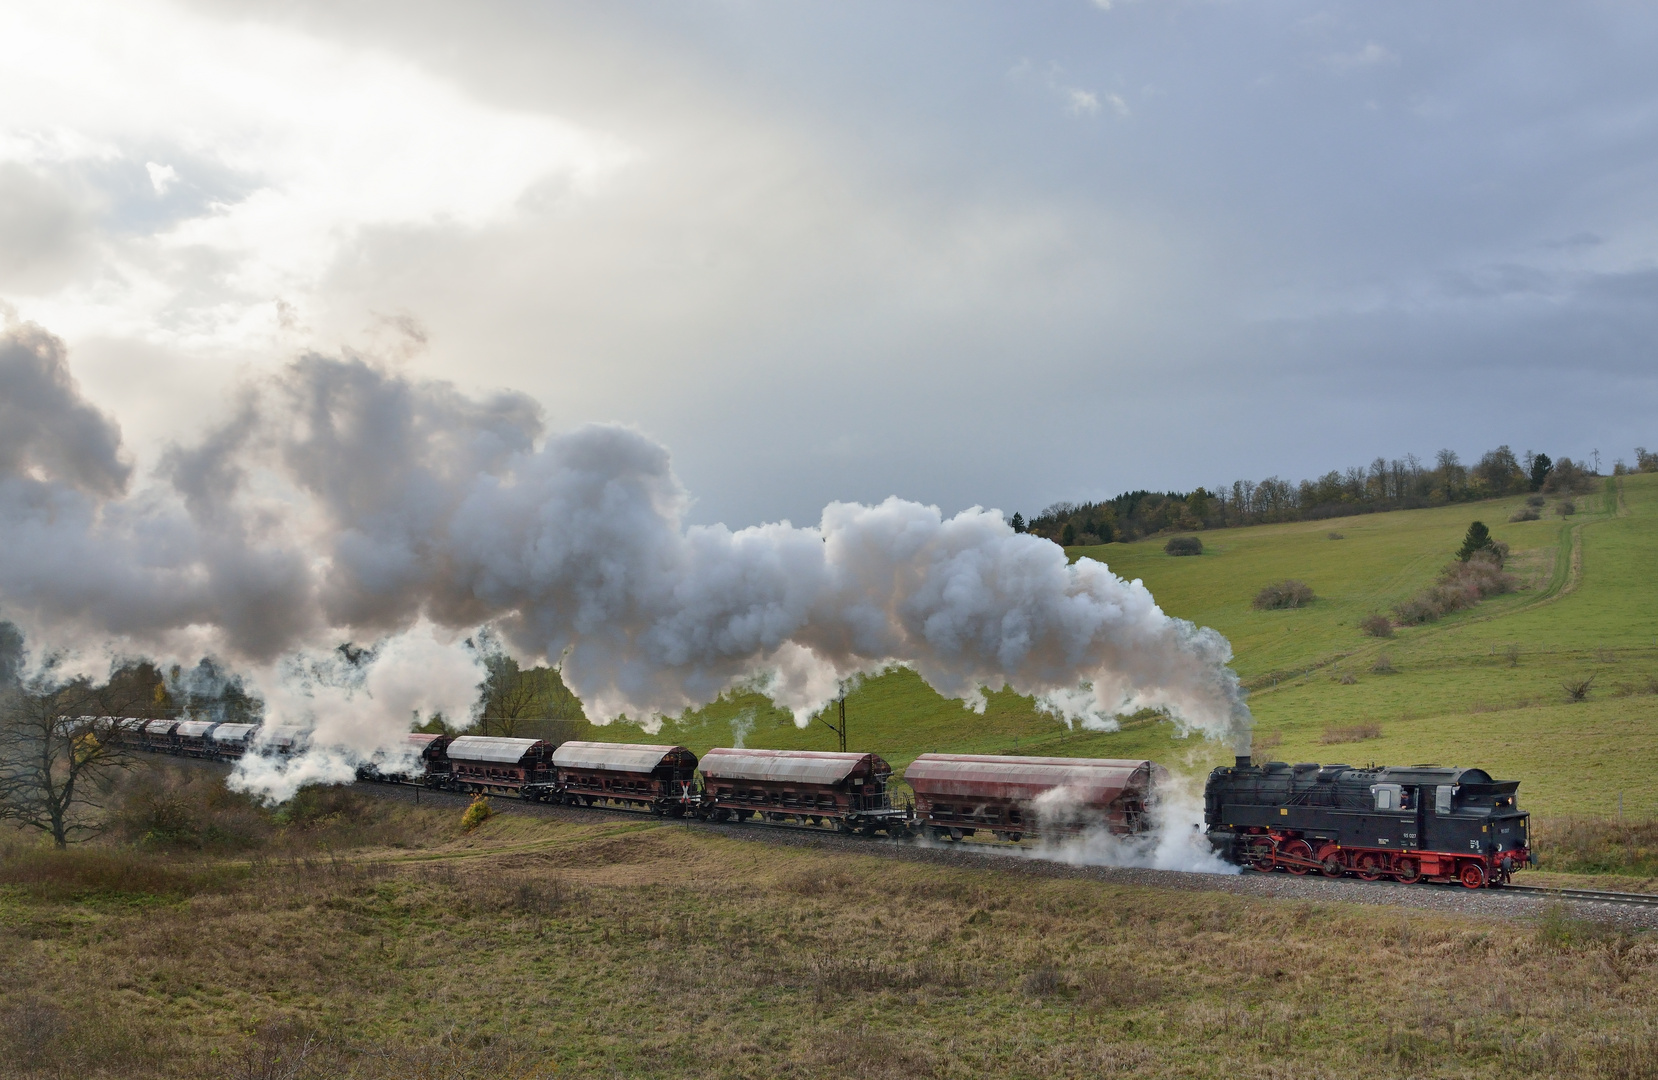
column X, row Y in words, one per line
column 1472, row 875
column 1370, row 867
column 1302, row 852
column 1410, row 871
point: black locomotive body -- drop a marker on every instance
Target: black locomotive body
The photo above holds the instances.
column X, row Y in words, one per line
column 1421, row 823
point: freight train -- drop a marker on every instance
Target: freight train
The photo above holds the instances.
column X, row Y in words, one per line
column 1422, row 823
column 955, row 795
column 1419, row 823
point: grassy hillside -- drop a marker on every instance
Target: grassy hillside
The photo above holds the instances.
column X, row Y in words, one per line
column 1479, row 687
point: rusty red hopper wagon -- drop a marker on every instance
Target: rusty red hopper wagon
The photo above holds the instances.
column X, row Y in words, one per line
column 957, row 795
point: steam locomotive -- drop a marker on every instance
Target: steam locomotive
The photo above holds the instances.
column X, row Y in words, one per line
column 1420, row 823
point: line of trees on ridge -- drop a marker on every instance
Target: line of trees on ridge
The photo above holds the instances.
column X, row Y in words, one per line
column 1385, row 484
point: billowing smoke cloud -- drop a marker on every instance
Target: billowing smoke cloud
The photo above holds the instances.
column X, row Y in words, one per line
column 348, row 710
column 342, row 502
column 1074, row 832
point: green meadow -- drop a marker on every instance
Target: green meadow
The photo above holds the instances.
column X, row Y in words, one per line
column 1481, row 687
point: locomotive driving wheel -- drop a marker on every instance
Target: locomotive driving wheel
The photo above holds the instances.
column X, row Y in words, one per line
column 1472, row 875
column 1410, row 871
column 1370, row 867
column 1258, row 853
column 1302, row 852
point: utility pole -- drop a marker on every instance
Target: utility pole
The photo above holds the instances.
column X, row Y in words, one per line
column 840, row 732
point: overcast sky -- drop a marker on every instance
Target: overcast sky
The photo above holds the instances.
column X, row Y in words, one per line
column 991, row 253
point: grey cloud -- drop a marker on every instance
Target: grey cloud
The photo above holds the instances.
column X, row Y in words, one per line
column 46, row 231
column 852, row 245
column 45, row 424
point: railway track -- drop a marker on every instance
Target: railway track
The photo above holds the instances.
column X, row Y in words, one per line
column 1592, row 896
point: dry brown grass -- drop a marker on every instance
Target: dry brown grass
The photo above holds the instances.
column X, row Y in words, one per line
column 166, row 807
column 1597, row 845
column 646, row 950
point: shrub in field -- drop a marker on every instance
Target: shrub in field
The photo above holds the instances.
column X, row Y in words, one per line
column 1284, row 594
column 1337, row 536
column 1525, row 513
column 1566, row 508
column 1461, row 585
column 1357, row 733
column 1536, row 502
column 1184, row 545
column 477, row 812
column 1377, row 625
column 1578, row 689
column 1383, row 665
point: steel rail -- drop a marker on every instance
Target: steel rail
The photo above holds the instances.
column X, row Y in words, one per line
column 1581, row 895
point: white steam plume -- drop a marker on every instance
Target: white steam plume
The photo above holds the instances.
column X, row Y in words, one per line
column 343, row 502
column 1076, row 833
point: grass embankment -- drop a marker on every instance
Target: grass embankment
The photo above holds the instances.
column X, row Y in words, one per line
column 1479, row 687
column 641, row 950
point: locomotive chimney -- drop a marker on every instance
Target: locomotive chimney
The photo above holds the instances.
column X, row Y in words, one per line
column 1243, row 761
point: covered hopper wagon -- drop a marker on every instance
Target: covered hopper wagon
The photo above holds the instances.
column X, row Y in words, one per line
column 424, row 760
column 661, row 779
column 958, row 795
column 807, row 787
column 491, row 764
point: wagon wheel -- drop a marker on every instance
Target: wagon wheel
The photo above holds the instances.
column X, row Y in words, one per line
column 1370, row 868
column 1258, row 853
column 1301, row 851
column 1472, row 875
column 1410, row 871
column 1015, row 837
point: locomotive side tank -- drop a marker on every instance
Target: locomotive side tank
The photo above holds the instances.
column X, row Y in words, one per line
column 1418, row 823
column 848, row 790
column 957, row 795
column 661, row 779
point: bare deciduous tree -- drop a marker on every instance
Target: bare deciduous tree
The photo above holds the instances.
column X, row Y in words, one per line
column 59, row 746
